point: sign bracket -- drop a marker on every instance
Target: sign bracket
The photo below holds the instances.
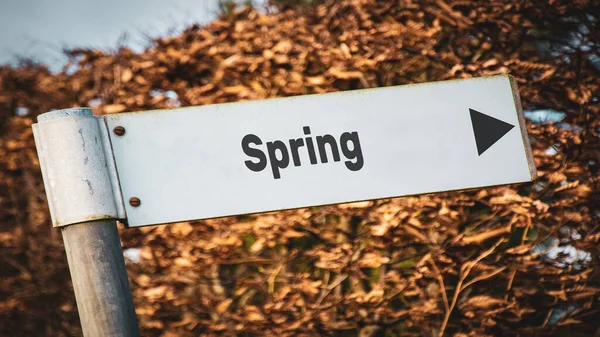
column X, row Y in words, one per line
column 78, row 167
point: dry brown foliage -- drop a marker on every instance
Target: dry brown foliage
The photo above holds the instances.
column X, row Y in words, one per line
column 455, row 264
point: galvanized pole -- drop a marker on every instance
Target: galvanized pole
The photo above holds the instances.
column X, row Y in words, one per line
column 75, row 162
column 100, row 279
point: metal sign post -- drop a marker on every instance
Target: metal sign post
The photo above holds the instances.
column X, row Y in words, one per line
column 72, row 153
column 218, row 160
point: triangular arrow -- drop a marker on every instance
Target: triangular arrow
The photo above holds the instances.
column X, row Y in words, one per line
column 488, row 130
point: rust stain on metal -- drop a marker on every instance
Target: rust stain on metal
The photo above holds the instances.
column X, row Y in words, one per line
column 135, row 202
column 119, row 130
column 523, row 126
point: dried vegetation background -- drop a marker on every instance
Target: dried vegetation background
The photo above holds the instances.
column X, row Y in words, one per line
column 475, row 263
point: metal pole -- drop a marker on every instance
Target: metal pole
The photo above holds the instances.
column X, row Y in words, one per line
column 84, row 200
column 100, row 279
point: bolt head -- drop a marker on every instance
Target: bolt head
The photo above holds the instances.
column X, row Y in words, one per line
column 119, row 130
column 135, row 202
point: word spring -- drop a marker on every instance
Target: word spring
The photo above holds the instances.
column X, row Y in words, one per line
column 279, row 154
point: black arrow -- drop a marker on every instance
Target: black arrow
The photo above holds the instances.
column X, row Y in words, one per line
column 488, row 130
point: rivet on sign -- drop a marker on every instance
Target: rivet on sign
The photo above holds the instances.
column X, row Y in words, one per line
column 135, row 202
column 119, row 130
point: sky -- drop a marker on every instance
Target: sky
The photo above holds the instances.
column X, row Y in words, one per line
column 39, row 29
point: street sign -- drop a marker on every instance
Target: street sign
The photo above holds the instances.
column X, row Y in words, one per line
column 257, row 156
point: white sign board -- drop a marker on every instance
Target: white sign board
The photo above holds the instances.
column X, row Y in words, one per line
column 239, row 158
